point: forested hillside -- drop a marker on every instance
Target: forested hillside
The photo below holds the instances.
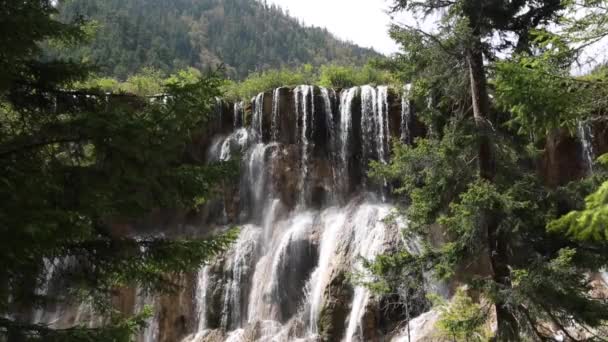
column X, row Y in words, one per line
column 245, row 35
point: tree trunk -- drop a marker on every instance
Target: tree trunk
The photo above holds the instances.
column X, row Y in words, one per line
column 496, row 243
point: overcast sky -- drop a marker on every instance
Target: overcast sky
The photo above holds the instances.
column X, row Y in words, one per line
column 364, row 22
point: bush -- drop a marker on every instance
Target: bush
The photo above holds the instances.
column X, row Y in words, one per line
column 331, row 76
column 268, row 80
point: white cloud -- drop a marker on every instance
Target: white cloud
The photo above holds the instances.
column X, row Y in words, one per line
column 364, row 22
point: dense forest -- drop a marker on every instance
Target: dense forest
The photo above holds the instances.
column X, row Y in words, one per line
column 244, row 35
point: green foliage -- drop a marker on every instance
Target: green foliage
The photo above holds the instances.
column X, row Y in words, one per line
column 477, row 181
column 461, row 319
column 333, row 76
column 336, row 76
column 268, row 80
column 76, row 163
column 541, row 96
column 148, row 82
column 430, row 174
column 590, row 223
column 244, row 35
column 555, row 290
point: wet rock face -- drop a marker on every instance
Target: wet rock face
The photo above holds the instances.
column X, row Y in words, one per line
column 176, row 311
column 335, row 311
column 284, row 174
column 215, row 295
column 293, row 276
column 562, row 161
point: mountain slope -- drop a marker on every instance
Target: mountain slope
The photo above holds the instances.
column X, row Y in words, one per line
column 245, row 35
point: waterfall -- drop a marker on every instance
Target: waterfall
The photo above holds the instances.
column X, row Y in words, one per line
column 258, row 115
column 369, row 135
column 345, row 132
column 243, row 250
column 286, row 277
column 219, row 102
column 305, row 109
column 202, row 285
column 276, row 98
column 255, row 177
column 265, row 299
column 374, row 123
column 329, row 97
column 235, row 142
column 374, row 127
column 382, row 124
column 144, row 299
column 239, row 114
column 335, row 220
column 585, row 134
column 406, row 115
column 369, row 238
column 49, row 267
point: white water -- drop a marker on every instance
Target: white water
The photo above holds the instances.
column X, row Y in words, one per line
column 274, row 282
column 420, row 327
column 334, row 222
column 382, row 124
column 374, row 123
column 369, row 237
column 258, row 115
column 239, row 114
column 202, row 285
column 146, row 300
column 406, row 114
column 345, row 234
column 305, row 109
column 256, row 175
column 235, row 142
column 276, row 106
column 345, row 130
column 43, row 289
column 585, row 134
column 244, row 249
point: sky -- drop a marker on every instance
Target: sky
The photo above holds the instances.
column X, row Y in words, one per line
column 364, row 22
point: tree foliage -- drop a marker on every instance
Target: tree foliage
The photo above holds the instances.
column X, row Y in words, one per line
column 330, row 75
column 245, row 35
column 461, row 319
column 75, row 162
column 475, row 178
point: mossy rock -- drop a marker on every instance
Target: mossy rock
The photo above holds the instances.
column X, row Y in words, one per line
column 332, row 320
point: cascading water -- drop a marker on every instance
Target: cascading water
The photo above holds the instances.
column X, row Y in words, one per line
column 202, row 285
column 258, row 114
column 305, row 109
column 382, row 124
column 239, row 115
column 345, row 132
column 286, row 278
column 585, row 134
column 145, row 300
column 276, row 98
column 240, row 263
column 369, row 238
column 320, row 277
column 42, row 290
column 407, row 112
column 374, row 123
column 300, row 254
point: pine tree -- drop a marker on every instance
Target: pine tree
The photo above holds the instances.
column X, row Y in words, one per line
column 474, row 174
column 73, row 162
